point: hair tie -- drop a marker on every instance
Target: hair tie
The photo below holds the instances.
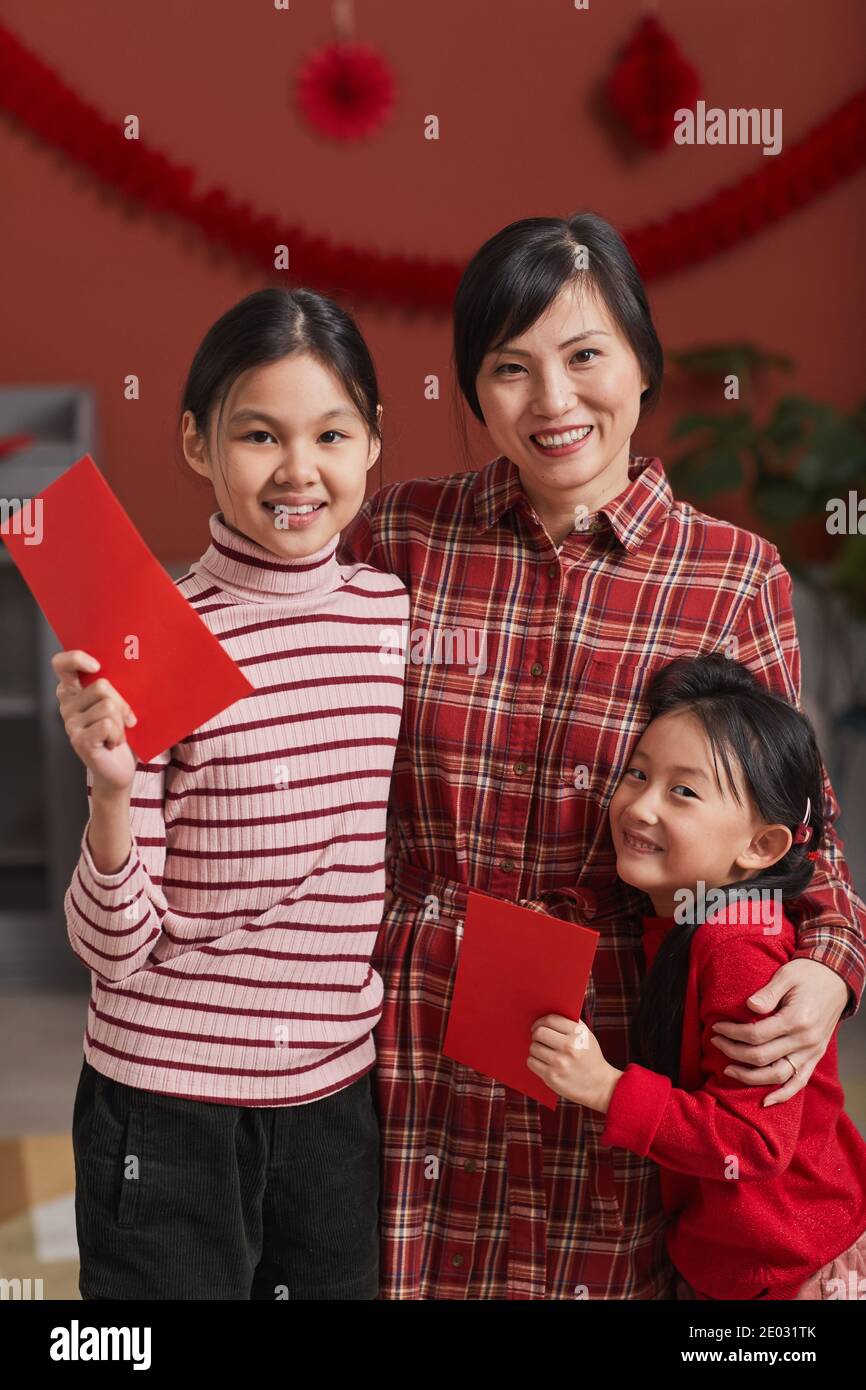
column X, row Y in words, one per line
column 813, row 854
column 803, row 833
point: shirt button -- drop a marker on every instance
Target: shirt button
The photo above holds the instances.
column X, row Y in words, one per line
column 520, row 768
column 470, row 1165
column 536, row 668
column 457, row 1261
column 506, row 865
column 552, row 571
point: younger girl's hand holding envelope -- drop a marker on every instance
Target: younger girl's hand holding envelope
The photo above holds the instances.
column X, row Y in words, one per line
column 566, row 1056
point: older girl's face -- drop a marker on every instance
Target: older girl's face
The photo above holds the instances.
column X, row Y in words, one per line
column 571, row 373
column 290, row 466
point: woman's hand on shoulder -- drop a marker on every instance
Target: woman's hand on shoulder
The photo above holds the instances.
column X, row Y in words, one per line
column 784, row 1049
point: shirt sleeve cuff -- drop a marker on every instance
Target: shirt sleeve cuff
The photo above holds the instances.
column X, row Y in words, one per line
column 118, row 880
column 636, row 1108
column 849, row 969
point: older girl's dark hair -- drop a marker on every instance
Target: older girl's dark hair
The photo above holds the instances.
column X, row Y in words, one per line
column 772, row 745
column 271, row 324
column 516, row 275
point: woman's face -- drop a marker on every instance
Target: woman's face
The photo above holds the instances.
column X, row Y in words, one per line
column 570, row 370
column 291, row 437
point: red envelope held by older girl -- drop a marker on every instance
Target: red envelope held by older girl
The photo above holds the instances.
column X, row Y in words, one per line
column 103, row 591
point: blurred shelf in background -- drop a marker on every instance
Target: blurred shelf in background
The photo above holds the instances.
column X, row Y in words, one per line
column 43, row 806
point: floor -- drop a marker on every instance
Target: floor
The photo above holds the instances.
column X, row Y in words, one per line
column 40, row 1042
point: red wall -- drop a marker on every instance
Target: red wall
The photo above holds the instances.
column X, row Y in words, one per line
column 92, row 292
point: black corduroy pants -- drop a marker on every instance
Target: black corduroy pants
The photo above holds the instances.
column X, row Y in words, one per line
column 185, row 1199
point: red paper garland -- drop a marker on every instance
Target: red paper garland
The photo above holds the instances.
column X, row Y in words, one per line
column 346, row 90
column 37, row 98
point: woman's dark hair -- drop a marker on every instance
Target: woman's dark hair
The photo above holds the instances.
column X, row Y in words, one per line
column 515, row 276
column 773, row 746
column 271, row 324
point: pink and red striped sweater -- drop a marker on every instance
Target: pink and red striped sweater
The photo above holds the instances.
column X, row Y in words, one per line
column 230, row 955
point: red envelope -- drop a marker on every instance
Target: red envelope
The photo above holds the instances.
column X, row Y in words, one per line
column 514, row 966
column 98, row 585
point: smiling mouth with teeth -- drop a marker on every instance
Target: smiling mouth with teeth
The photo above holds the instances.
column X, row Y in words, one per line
column 637, row 842
column 557, row 441
column 293, row 511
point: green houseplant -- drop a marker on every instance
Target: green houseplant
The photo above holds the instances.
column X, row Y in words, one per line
column 789, row 476
column 787, row 468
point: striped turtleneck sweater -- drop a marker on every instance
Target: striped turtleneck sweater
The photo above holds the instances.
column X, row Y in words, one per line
column 230, row 954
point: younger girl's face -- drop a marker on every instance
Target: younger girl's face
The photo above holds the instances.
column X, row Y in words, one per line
column 673, row 825
column 291, row 439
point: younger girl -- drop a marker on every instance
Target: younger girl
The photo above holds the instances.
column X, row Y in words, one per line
column 229, row 892
column 723, row 790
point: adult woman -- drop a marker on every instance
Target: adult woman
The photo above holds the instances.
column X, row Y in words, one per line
column 568, row 561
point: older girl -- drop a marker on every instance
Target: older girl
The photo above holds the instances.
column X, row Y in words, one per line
column 228, row 892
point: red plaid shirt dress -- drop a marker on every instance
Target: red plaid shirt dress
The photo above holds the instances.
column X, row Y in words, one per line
column 524, row 677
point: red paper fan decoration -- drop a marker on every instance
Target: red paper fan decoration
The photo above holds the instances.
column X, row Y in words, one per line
column 650, row 82
column 346, row 91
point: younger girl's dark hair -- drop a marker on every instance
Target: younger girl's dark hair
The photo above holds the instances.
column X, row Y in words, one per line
column 515, row 276
column 772, row 745
column 271, row 324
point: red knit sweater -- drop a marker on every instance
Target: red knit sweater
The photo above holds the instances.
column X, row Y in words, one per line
column 758, row 1198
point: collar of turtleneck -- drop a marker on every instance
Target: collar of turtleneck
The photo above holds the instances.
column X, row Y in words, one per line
column 243, row 567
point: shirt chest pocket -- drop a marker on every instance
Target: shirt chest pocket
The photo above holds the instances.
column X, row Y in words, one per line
column 609, row 714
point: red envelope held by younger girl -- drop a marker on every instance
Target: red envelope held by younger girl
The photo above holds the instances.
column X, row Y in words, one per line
column 515, row 965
